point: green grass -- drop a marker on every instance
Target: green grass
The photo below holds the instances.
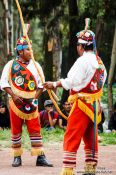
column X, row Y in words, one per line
column 5, row 136
column 108, row 138
column 55, row 135
column 50, row 137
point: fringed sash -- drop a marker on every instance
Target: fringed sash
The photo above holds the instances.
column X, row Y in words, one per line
column 87, row 107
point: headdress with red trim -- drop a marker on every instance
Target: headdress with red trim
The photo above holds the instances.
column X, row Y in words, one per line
column 22, row 43
column 86, row 37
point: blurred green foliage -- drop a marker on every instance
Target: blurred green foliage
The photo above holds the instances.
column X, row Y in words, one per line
column 104, row 97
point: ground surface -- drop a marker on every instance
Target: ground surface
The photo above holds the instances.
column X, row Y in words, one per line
column 106, row 166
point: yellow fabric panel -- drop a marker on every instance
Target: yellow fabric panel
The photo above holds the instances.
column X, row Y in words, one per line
column 89, row 112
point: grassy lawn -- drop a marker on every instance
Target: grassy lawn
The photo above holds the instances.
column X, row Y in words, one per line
column 108, row 138
column 50, row 137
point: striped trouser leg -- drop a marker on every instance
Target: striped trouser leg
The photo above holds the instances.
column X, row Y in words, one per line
column 16, row 131
column 33, row 127
column 90, row 161
column 75, row 130
column 91, row 150
column 69, row 163
column 36, row 144
column 89, row 158
column 69, row 159
column 16, row 145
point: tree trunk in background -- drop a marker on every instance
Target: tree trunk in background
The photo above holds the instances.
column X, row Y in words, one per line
column 110, row 77
column 4, row 43
column 2, row 56
column 48, row 69
column 99, row 32
column 6, row 29
column 52, row 43
column 48, row 59
column 4, row 38
column 72, row 50
column 11, row 31
column 73, row 29
column 57, row 53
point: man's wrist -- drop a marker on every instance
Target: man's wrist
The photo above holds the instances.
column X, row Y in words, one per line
column 12, row 95
column 55, row 84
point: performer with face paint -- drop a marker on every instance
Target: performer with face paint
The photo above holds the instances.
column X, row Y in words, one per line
column 21, row 81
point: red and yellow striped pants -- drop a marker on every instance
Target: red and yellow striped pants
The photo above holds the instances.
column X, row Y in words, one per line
column 33, row 128
column 79, row 127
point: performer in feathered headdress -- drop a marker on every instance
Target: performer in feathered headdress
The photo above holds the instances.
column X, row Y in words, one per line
column 21, row 81
column 85, row 81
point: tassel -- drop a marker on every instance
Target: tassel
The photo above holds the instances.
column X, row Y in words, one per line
column 37, row 151
column 17, row 152
column 67, row 171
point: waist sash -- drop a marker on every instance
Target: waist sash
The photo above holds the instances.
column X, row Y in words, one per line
column 86, row 104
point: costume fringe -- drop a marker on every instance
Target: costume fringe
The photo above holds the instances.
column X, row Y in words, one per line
column 67, row 171
column 89, row 112
column 90, row 98
column 37, row 151
column 90, row 168
column 20, row 114
column 17, row 152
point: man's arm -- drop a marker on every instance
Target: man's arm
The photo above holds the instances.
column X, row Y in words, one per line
column 38, row 92
column 15, row 98
column 51, row 121
column 60, row 123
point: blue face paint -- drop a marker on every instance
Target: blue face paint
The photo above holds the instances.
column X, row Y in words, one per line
column 21, row 47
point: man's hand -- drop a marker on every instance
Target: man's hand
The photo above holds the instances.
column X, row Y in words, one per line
column 50, row 111
column 48, row 85
column 17, row 99
column 52, row 85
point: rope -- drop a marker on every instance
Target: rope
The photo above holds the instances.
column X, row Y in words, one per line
column 31, row 51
